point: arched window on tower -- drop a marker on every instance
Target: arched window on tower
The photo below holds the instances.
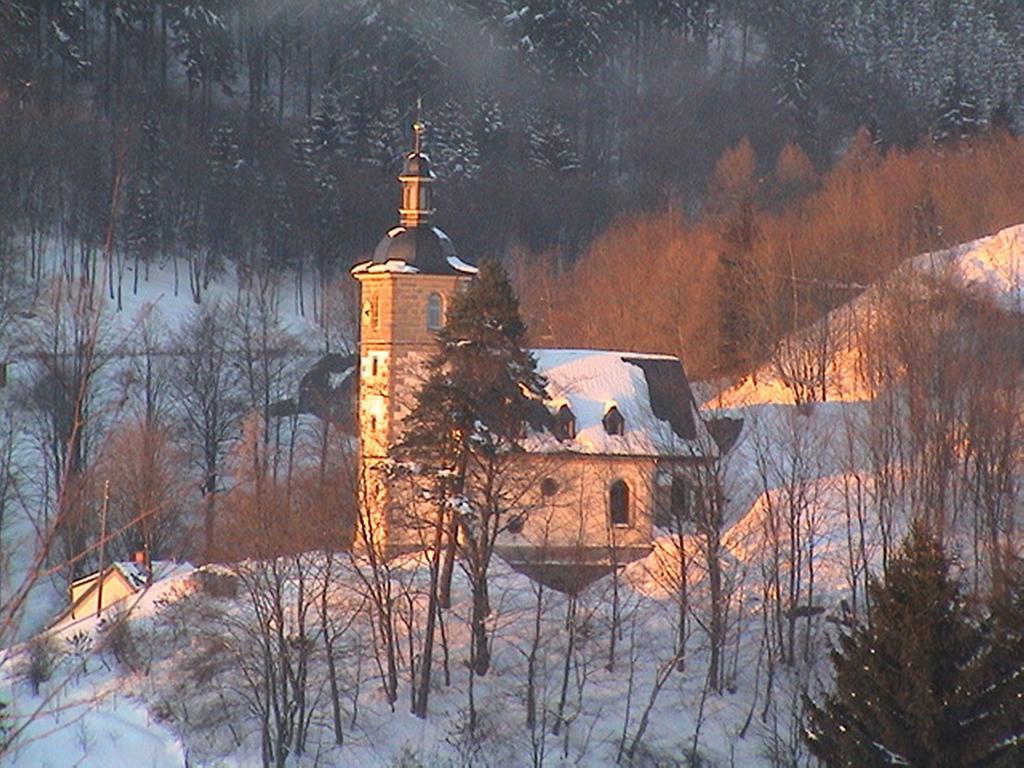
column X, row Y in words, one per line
column 618, row 503
column 435, row 312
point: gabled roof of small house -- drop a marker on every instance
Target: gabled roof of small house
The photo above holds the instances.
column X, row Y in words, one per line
column 651, row 392
column 134, row 574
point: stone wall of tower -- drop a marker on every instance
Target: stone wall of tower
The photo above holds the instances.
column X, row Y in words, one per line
column 395, row 345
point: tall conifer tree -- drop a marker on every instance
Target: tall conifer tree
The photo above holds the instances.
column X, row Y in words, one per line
column 470, row 414
column 917, row 684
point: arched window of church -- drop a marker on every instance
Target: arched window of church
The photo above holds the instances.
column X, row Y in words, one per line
column 680, row 500
column 435, row 312
column 618, row 503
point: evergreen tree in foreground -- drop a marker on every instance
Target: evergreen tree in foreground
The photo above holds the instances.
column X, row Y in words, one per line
column 919, row 683
column 470, row 414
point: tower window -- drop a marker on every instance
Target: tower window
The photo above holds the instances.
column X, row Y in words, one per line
column 618, row 503
column 564, row 424
column 371, row 312
column 614, row 422
column 373, row 365
column 435, row 313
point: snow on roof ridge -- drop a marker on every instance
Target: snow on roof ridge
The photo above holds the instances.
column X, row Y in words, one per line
column 458, row 264
column 580, row 351
column 396, row 266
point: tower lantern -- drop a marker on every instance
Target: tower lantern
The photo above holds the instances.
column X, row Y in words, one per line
column 417, row 178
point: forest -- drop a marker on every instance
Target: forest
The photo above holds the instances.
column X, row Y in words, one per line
column 266, row 135
column 787, row 195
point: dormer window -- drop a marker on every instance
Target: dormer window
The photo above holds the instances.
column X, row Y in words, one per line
column 564, row 424
column 614, row 422
column 435, row 312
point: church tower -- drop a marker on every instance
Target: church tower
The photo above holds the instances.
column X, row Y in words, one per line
column 404, row 292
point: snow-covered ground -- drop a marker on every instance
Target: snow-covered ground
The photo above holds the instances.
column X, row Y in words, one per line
column 797, row 465
column 88, row 713
column 107, row 714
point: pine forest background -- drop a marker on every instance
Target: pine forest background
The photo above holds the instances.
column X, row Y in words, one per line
column 723, row 148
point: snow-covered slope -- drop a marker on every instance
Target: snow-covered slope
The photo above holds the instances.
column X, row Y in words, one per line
column 127, row 321
column 89, row 713
column 803, row 470
column 991, row 267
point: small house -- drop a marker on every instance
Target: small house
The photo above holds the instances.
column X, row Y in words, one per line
column 91, row 594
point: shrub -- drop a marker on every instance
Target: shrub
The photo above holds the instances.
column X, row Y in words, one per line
column 43, row 654
column 118, row 637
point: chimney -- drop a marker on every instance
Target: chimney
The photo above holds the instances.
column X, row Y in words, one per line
column 139, row 557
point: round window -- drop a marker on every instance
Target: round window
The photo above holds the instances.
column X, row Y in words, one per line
column 549, row 486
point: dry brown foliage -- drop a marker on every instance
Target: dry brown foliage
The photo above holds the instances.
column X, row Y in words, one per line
column 652, row 281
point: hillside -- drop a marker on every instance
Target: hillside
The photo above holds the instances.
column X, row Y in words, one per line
column 830, row 354
column 813, row 506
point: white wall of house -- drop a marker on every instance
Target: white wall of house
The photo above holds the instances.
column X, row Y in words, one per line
column 86, row 595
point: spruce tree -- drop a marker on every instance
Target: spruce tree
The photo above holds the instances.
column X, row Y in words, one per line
column 481, row 390
column 1003, row 683
column 915, row 685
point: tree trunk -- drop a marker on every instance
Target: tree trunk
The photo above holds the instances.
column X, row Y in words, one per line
column 420, row 695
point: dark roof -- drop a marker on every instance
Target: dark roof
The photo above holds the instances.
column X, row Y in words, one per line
column 426, row 248
column 328, row 390
column 671, row 397
column 417, row 164
column 725, row 432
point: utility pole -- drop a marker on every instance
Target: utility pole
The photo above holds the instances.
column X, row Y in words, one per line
column 103, row 546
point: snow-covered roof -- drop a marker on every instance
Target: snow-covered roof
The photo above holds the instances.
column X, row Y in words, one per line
column 650, row 391
column 134, row 573
column 397, row 266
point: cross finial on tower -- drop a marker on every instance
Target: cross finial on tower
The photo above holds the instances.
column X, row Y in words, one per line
column 416, row 178
column 418, row 128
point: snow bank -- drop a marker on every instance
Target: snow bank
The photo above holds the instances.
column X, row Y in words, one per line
column 111, row 731
column 991, row 266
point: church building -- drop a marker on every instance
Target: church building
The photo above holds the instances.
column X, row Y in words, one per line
column 622, row 440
